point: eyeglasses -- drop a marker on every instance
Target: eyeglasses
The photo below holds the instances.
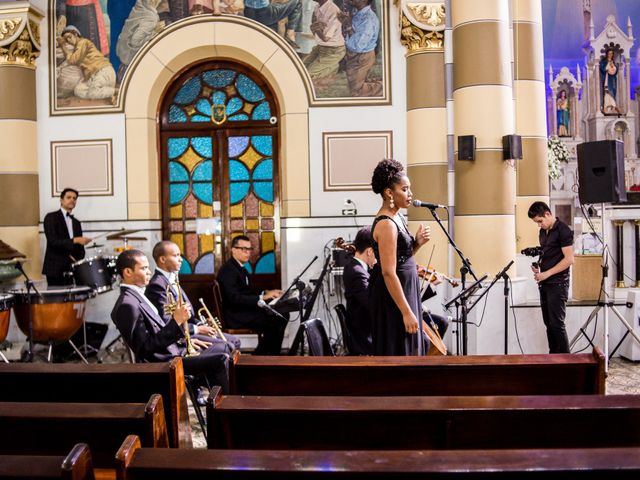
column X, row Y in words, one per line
column 244, row 249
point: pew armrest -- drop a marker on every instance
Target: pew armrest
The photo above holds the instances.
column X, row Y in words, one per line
column 125, row 455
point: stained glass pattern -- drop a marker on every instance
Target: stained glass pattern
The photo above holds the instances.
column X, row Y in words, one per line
column 243, row 98
column 195, row 183
column 191, row 195
column 251, row 185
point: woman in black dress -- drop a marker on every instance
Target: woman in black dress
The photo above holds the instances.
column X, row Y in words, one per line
column 394, row 288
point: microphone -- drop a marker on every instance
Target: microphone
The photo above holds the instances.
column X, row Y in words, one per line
column 432, row 206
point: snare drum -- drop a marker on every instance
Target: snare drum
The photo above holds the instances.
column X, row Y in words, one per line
column 6, row 302
column 95, row 272
column 56, row 316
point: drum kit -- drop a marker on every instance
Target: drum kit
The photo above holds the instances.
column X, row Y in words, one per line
column 54, row 315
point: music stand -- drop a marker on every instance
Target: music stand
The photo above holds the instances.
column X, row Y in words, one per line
column 460, row 302
column 298, row 341
column 464, row 270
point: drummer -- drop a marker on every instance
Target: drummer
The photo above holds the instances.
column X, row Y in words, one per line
column 65, row 243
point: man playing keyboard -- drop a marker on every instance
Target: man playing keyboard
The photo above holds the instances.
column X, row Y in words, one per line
column 241, row 307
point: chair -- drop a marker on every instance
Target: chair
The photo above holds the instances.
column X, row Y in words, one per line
column 217, row 312
column 347, row 343
column 317, row 338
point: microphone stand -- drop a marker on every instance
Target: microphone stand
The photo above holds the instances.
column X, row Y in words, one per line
column 28, row 283
column 464, row 270
column 298, row 341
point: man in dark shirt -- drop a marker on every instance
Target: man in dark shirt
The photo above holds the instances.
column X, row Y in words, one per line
column 552, row 274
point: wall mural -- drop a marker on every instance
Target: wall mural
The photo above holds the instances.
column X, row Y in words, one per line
column 342, row 43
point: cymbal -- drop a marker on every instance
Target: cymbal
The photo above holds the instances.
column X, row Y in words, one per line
column 95, row 245
column 120, row 233
column 134, row 238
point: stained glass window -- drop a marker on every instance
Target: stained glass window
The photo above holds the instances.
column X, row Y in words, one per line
column 242, row 98
column 220, row 144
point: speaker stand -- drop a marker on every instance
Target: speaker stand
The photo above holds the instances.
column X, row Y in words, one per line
column 606, row 305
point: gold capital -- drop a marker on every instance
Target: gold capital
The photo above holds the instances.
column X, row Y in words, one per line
column 19, row 34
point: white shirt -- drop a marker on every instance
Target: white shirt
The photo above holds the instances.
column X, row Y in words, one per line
column 67, row 220
column 140, row 291
column 328, row 14
column 170, row 276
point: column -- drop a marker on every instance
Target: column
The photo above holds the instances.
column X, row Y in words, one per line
column 20, row 211
column 426, row 121
column 483, row 106
column 532, row 171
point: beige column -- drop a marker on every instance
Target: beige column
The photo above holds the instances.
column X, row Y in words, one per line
column 484, row 222
column 529, row 92
column 19, row 192
column 426, row 123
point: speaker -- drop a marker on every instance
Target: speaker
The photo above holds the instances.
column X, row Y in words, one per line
column 466, row 147
column 601, row 172
column 511, row 147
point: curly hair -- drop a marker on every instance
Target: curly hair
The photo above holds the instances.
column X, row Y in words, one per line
column 386, row 174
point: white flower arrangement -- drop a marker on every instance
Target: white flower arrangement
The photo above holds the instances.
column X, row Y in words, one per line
column 557, row 152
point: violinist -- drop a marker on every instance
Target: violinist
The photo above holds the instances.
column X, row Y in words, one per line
column 356, row 284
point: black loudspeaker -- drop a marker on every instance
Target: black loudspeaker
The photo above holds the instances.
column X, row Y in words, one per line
column 466, row 147
column 601, row 172
column 511, row 147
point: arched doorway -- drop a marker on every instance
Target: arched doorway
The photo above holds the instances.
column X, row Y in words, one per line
column 219, row 148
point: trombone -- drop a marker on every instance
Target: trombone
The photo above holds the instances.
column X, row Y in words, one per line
column 205, row 315
column 171, row 306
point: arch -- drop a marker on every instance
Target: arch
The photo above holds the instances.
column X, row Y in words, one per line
column 214, row 37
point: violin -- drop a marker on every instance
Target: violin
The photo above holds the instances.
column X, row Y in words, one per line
column 435, row 277
column 341, row 243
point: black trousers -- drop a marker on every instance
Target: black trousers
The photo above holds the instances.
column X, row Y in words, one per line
column 553, row 301
column 55, row 280
column 210, row 363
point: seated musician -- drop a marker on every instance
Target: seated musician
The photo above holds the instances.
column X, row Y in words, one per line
column 355, row 278
column 146, row 333
column 167, row 256
column 241, row 306
column 356, row 283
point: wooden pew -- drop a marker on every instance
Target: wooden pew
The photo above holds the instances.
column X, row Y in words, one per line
column 409, row 423
column 54, row 428
column 135, row 463
column 118, row 383
column 77, row 465
column 562, row 374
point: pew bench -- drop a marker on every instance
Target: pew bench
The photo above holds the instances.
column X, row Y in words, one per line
column 103, row 383
column 136, row 463
column 410, row 423
column 76, row 465
column 54, row 428
column 560, row 374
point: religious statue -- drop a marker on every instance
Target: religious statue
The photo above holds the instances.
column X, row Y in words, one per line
column 562, row 113
column 609, row 83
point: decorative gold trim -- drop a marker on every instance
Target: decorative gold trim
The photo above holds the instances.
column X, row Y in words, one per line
column 20, row 51
column 432, row 14
column 415, row 39
column 619, row 223
column 620, row 284
column 9, row 26
column 35, row 32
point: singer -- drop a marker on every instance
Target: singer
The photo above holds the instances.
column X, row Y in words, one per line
column 394, row 288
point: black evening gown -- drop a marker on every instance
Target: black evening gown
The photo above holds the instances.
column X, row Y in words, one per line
column 389, row 334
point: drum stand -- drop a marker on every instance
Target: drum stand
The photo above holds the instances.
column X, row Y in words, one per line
column 28, row 283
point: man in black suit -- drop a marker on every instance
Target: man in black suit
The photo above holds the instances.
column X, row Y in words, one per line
column 355, row 278
column 168, row 259
column 146, row 333
column 65, row 243
column 241, row 306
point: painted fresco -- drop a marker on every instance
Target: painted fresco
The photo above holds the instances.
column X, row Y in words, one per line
column 342, row 44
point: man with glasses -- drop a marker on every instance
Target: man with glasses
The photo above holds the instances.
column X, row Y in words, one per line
column 241, row 305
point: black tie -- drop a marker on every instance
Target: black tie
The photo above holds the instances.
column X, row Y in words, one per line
column 69, row 215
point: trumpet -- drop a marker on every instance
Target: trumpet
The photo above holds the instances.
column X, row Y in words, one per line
column 171, row 306
column 205, row 315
